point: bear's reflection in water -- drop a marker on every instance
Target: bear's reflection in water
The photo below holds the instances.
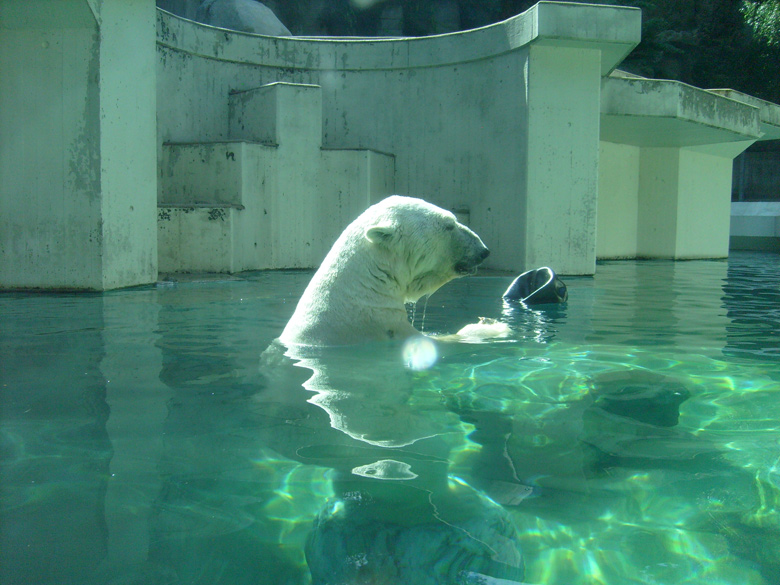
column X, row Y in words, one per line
column 397, row 515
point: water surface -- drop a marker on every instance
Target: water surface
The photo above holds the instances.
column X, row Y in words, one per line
column 145, row 440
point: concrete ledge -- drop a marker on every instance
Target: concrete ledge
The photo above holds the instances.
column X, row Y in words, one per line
column 614, row 30
column 653, row 112
column 769, row 112
column 755, row 208
column 208, row 174
column 755, row 225
column 755, row 244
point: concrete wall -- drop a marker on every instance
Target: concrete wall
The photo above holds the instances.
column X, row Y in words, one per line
column 477, row 121
column 77, row 165
column 271, row 196
column 513, row 126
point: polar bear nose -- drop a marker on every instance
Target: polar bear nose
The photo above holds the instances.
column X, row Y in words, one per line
column 484, row 253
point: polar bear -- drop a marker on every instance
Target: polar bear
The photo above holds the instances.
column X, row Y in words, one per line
column 395, row 252
column 389, row 457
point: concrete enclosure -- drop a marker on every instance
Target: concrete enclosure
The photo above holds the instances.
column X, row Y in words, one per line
column 265, row 147
column 476, row 122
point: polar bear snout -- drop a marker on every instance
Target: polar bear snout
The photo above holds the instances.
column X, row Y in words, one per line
column 476, row 252
column 469, row 265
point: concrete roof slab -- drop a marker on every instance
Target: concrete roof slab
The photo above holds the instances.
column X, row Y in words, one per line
column 653, row 112
column 768, row 111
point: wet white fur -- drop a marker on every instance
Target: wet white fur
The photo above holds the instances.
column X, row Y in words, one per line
column 395, row 252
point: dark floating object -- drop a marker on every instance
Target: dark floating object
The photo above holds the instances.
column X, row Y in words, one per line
column 537, row 287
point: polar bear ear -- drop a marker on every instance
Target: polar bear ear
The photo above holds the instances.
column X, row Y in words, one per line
column 379, row 234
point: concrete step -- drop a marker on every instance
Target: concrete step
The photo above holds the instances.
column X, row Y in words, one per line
column 198, row 238
column 270, row 198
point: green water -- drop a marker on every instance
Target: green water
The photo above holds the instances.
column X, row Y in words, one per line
column 145, row 440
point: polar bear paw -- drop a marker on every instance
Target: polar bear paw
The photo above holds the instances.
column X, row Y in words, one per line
column 485, row 328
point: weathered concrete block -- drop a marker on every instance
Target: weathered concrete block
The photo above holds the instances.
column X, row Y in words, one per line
column 213, row 211
column 213, row 173
column 284, row 201
column 78, row 165
column 196, row 239
column 277, row 113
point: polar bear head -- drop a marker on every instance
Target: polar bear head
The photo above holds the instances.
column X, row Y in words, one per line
column 395, row 252
column 423, row 245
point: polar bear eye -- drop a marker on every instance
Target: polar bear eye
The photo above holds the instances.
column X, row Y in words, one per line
column 449, row 227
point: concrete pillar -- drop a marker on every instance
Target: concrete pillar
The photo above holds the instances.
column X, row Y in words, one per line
column 77, row 154
column 288, row 116
column 128, row 138
column 563, row 153
column 685, row 201
column 664, row 201
column 616, row 219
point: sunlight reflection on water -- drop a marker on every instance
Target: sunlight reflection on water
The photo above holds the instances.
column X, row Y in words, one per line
column 141, row 443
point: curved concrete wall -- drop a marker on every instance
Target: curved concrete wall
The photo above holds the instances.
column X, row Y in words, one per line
column 502, row 120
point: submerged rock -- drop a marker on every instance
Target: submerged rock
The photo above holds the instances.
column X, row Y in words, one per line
column 642, row 396
column 350, row 545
